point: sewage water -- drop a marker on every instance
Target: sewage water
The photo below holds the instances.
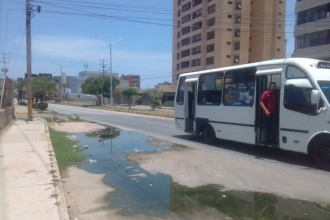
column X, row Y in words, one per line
column 138, row 192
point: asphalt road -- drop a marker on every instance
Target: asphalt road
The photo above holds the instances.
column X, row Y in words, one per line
column 288, row 169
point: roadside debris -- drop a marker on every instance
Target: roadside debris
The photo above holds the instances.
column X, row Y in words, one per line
column 91, row 161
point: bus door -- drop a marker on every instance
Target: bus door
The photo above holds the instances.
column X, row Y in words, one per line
column 190, row 91
column 264, row 77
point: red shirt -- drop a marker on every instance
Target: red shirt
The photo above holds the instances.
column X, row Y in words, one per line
column 270, row 101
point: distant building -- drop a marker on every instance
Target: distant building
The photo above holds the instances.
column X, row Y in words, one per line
column 95, row 74
column 48, row 75
column 133, row 80
column 312, row 30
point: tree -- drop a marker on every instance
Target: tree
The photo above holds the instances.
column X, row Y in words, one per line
column 137, row 98
column 20, row 86
column 129, row 92
column 155, row 94
column 99, row 86
column 43, row 86
column 117, row 94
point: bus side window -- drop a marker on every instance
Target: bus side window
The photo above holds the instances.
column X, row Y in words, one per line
column 239, row 87
column 210, row 89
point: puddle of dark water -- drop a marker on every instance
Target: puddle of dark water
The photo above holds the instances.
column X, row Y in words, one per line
column 139, row 192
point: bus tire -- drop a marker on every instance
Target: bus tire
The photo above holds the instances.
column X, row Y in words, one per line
column 320, row 152
column 208, row 134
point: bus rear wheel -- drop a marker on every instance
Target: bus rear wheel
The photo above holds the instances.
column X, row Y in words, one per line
column 208, row 134
column 320, row 152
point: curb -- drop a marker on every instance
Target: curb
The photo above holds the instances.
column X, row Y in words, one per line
column 58, row 186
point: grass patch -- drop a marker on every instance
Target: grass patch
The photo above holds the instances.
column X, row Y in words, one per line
column 65, row 152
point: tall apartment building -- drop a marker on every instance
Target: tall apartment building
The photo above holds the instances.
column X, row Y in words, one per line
column 312, row 29
column 133, row 80
column 217, row 33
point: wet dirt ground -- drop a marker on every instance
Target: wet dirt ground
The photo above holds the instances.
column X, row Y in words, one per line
column 111, row 183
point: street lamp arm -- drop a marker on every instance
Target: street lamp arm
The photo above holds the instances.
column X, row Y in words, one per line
column 102, row 39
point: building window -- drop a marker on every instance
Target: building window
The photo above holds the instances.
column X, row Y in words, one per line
column 185, row 64
column 186, row 7
column 314, row 39
column 196, row 38
column 185, row 42
column 228, row 56
column 313, row 14
column 230, row 2
column 197, row 14
column 236, row 59
column 211, row 22
column 209, row 60
column 178, row 45
column 211, row 9
column 196, row 50
column 178, row 24
column 228, row 43
column 210, row 48
column 177, row 66
column 237, row 19
column 237, row 32
column 179, row 13
column 197, row 2
column 185, row 53
column 237, row 46
column 279, row 38
column 238, row 6
column 196, row 62
column 179, row 2
column 210, row 35
column 178, row 56
column 229, row 29
column 196, row 26
column 230, row 16
column 178, row 34
column 185, row 30
column 185, row 19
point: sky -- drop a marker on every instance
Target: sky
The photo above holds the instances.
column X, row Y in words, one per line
column 72, row 33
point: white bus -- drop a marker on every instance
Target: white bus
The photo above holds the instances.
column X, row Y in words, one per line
column 303, row 86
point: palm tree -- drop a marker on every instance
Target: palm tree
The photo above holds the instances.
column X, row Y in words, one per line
column 20, row 86
column 42, row 86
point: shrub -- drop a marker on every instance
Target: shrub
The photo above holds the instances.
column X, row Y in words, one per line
column 42, row 106
column 168, row 104
column 57, row 100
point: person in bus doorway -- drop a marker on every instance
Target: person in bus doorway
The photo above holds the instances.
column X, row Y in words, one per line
column 269, row 105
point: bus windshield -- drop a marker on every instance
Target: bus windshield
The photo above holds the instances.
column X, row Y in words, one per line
column 325, row 87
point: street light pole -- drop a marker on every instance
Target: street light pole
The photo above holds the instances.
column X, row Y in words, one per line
column 111, row 97
column 110, row 47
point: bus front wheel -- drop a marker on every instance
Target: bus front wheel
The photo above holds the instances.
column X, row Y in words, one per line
column 208, row 134
column 320, row 152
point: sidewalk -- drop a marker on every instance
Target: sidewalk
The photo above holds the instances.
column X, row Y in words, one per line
column 30, row 186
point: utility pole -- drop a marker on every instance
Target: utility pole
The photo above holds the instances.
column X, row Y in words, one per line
column 103, row 65
column 86, row 66
column 4, row 61
column 28, row 60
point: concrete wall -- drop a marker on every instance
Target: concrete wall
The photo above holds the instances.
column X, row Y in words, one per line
column 6, row 116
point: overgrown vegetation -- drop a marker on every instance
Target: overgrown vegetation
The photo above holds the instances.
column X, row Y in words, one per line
column 73, row 118
column 65, row 152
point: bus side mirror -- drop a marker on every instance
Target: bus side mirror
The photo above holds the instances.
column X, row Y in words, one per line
column 315, row 97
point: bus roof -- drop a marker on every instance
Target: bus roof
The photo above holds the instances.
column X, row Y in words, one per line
column 302, row 61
